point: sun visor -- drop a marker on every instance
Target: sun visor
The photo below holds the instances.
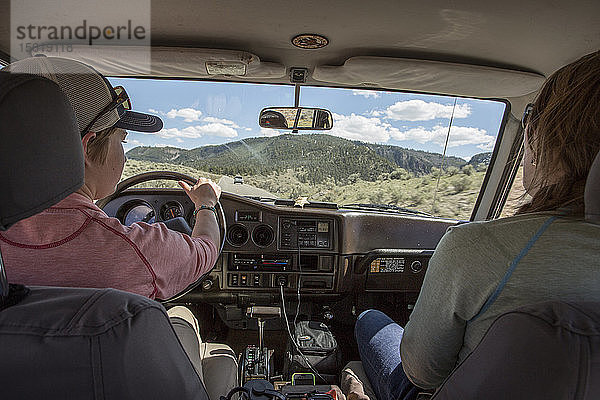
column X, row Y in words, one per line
column 430, row 76
column 172, row 62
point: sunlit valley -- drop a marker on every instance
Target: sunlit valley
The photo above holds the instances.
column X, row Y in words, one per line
column 331, row 169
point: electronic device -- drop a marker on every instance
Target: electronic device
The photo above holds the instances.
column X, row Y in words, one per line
column 305, row 233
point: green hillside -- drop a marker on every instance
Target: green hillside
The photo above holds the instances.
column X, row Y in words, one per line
column 314, row 158
column 327, row 168
column 456, row 192
column 415, row 161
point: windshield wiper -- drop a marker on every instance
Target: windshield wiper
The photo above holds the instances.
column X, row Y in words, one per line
column 385, row 207
column 262, row 199
column 294, row 203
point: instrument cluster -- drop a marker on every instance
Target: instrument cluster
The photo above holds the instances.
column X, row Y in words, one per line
column 138, row 210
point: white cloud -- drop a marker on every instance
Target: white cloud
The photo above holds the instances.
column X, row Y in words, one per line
column 217, row 129
column 198, row 131
column 269, row 132
column 419, row 110
column 374, row 130
column 365, row 93
column 153, row 111
column 220, row 121
column 225, row 122
column 459, row 136
column 358, row 127
column 188, row 114
column 179, row 140
column 486, row 146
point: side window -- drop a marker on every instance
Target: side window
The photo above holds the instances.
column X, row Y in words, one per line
column 516, row 197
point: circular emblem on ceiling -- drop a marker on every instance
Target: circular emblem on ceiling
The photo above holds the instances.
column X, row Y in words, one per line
column 310, row 41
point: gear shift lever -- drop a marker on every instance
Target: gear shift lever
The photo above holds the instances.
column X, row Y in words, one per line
column 256, row 362
column 262, row 313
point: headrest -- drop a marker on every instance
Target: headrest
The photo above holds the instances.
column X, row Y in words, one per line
column 41, row 157
column 592, row 193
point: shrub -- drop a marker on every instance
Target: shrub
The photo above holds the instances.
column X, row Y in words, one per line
column 452, row 171
column 461, row 184
column 399, row 173
column 468, row 170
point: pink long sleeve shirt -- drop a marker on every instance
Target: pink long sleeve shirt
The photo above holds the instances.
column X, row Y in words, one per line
column 74, row 243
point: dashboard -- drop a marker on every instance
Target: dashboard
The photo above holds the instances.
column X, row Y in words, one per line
column 318, row 248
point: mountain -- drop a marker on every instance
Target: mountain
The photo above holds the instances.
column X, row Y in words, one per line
column 417, row 161
column 481, row 158
column 314, row 157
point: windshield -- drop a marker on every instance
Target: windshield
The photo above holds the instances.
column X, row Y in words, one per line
column 420, row 152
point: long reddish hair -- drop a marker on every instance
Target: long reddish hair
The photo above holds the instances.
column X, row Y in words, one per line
column 563, row 134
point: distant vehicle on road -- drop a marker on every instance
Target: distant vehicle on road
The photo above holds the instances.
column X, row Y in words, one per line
column 238, row 179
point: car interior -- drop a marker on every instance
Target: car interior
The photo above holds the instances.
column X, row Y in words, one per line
column 292, row 264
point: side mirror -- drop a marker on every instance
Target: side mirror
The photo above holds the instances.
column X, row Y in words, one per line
column 300, row 118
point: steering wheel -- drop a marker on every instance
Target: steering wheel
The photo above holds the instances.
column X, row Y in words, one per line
column 171, row 176
column 145, row 177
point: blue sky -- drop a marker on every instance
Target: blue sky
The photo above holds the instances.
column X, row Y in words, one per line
column 201, row 113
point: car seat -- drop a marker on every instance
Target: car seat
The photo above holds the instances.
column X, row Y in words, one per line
column 541, row 351
column 549, row 350
column 58, row 343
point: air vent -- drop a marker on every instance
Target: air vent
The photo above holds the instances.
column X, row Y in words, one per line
column 263, row 235
column 237, row 235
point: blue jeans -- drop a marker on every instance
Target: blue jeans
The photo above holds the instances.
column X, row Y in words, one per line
column 378, row 339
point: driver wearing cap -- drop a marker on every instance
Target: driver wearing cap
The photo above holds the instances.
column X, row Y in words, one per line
column 74, row 243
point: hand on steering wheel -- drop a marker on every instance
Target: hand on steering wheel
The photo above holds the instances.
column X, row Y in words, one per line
column 204, row 192
column 202, row 189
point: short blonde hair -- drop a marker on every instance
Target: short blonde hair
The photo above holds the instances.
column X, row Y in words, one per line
column 97, row 148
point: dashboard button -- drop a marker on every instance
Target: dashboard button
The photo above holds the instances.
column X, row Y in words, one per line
column 416, row 266
column 207, row 284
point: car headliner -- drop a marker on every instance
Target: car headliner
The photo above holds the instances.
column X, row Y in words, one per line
column 537, row 37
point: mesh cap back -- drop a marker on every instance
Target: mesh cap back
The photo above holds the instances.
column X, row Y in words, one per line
column 84, row 87
column 89, row 93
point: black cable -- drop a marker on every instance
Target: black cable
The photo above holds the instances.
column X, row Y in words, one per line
column 287, row 325
column 299, row 280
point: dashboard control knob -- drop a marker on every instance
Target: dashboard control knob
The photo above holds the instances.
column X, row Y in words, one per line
column 416, row 266
column 207, row 284
column 328, row 315
column 282, row 281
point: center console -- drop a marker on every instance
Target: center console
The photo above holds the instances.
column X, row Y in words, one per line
column 312, row 352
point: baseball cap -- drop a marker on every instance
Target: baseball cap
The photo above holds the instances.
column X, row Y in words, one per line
column 89, row 93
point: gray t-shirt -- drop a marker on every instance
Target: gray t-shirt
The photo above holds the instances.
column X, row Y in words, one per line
column 481, row 270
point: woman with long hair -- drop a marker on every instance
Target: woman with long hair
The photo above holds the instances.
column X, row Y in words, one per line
column 480, row 270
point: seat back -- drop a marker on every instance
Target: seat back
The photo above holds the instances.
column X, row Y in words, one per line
column 58, row 343
column 543, row 351
column 77, row 343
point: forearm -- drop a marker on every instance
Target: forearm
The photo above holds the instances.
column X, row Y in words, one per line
column 206, row 225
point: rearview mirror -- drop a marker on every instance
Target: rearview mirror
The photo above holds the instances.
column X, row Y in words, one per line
column 300, row 118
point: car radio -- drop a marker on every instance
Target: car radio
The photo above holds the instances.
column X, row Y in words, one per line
column 305, row 233
column 260, row 262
